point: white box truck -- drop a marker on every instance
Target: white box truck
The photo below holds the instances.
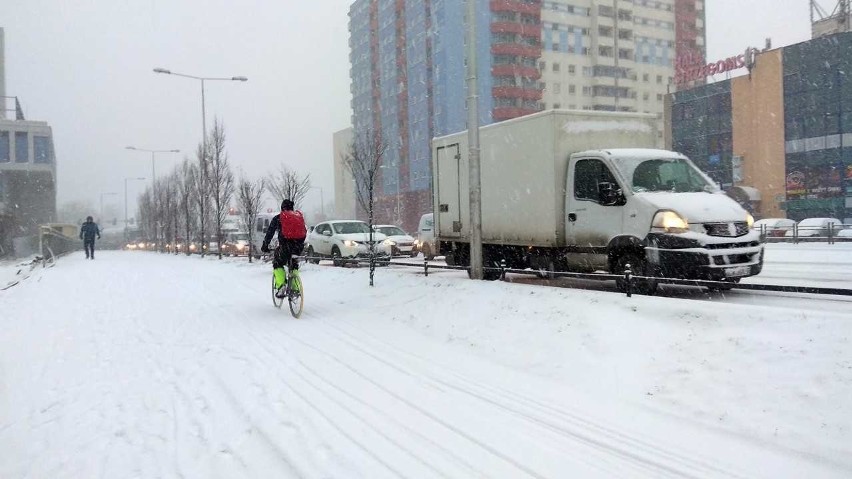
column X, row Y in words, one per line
column 585, row 191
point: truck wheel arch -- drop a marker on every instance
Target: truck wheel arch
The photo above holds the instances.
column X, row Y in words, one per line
column 620, row 245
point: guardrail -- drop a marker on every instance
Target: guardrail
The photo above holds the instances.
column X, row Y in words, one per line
column 831, row 233
column 629, row 278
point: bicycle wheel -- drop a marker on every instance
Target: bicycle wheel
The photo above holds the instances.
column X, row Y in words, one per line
column 275, row 299
column 295, row 294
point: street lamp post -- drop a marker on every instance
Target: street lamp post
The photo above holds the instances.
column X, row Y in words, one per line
column 203, row 122
column 125, row 202
column 101, row 219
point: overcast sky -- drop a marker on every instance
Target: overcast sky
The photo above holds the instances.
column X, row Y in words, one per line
column 85, row 66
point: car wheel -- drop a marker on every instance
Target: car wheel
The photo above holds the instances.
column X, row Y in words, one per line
column 311, row 255
column 639, row 267
column 336, row 257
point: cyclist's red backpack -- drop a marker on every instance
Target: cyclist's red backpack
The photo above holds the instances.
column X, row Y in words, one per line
column 292, row 225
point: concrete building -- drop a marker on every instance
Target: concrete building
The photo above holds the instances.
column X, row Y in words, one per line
column 408, row 70
column 344, row 183
column 780, row 138
column 2, row 73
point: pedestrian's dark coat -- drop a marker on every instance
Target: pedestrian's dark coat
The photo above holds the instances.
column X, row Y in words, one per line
column 89, row 230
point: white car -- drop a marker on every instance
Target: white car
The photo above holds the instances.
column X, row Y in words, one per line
column 401, row 243
column 815, row 227
column 346, row 239
column 774, row 227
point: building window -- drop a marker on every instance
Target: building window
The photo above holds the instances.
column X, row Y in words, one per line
column 571, row 69
column 22, row 148
column 587, row 91
column 4, row 147
column 42, row 149
column 605, row 11
column 625, row 15
column 605, row 31
column 625, row 54
column 625, row 34
column 557, row 106
column 557, row 88
column 646, row 96
column 660, row 79
column 572, row 89
column 542, row 66
column 659, row 97
column 605, row 51
column 645, row 78
column 555, row 66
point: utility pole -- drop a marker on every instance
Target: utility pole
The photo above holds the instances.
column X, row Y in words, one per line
column 473, row 147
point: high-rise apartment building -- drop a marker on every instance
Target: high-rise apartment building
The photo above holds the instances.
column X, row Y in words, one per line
column 2, row 74
column 408, row 70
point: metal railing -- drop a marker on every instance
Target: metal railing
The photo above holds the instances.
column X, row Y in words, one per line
column 831, row 233
column 631, row 281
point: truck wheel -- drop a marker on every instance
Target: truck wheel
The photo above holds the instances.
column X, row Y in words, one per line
column 640, row 268
column 336, row 258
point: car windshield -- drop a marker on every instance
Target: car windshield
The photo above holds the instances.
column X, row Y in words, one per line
column 240, row 237
column 675, row 175
column 391, row 231
column 351, row 228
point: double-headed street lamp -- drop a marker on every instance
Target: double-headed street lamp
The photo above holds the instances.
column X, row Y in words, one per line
column 152, row 152
column 203, row 118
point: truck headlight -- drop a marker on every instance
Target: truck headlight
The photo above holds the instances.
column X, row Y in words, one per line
column 349, row 243
column 749, row 220
column 669, row 222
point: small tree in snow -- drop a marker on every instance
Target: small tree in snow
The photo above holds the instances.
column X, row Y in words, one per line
column 288, row 184
column 249, row 194
column 363, row 159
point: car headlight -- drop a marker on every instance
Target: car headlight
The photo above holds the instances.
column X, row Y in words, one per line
column 349, row 243
column 669, row 222
column 388, row 242
column 749, row 220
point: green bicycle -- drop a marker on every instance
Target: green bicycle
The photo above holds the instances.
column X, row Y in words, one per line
column 293, row 290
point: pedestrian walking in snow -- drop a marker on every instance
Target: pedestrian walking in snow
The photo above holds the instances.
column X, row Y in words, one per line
column 87, row 234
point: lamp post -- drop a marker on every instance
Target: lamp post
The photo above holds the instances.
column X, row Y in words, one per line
column 153, row 152
column 322, row 201
column 125, row 202
column 101, row 219
column 203, row 121
column 398, row 214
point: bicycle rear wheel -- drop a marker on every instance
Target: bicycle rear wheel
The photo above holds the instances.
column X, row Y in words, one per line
column 295, row 294
column 276, row 301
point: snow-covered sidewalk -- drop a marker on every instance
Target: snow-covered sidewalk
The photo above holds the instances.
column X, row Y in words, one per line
column 147, row 365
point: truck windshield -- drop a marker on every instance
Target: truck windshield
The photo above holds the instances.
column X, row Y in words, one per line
column 676, row 175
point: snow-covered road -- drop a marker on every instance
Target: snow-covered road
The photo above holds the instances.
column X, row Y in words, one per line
column 146, row 365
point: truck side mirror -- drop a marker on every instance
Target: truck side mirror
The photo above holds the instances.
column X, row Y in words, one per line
column 608, row 194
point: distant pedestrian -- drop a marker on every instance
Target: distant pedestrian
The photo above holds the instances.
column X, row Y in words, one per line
column 87, row 234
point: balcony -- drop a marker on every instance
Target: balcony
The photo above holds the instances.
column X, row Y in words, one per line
column 515, row 92
column 516, row 6
column 516, row 70
column 503, row 113
column 523, row 29
column 516, row 49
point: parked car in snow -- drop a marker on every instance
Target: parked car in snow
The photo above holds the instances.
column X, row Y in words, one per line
column 341, row 240
column 774, row 227
column 425, row 242
column 816, row 228
column 400, row 242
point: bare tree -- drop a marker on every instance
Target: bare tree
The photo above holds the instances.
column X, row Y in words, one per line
column 288, row 184
column 249, row 194
column 186, row 199
column 364, row 158
column 221, row 179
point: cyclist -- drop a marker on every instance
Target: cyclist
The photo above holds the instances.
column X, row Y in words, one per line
column 290, row 225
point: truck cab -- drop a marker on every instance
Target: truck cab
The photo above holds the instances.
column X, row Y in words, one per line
column 655, row 210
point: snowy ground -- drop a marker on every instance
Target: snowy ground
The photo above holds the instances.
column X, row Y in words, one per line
column 146, row 365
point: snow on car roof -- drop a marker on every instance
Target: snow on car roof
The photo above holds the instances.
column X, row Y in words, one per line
column 650, row 153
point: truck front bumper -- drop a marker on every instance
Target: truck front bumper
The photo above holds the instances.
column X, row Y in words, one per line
column 719, row 259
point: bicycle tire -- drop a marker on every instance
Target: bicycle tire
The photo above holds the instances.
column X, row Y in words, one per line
column 295, row 296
